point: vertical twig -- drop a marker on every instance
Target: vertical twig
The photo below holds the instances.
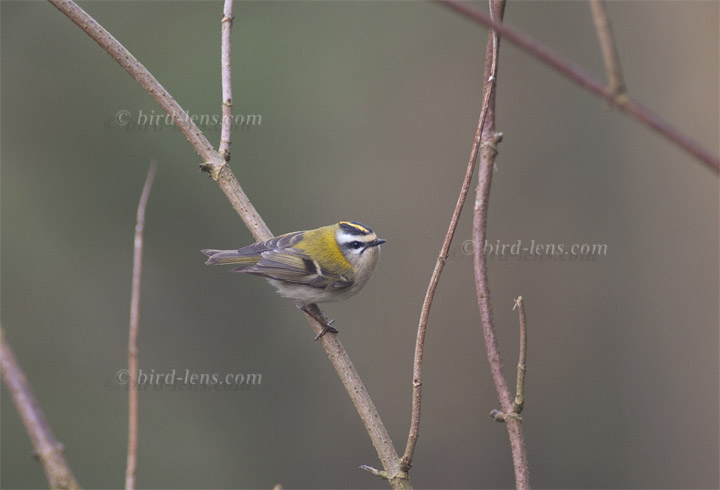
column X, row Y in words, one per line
column 406, row 462
column 47, row 449
column 519, row 402
column 488, row 152
column 133, row 335
column 225, row 61
column 607, row 47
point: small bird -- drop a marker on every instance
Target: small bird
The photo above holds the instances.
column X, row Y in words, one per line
column 328, row 264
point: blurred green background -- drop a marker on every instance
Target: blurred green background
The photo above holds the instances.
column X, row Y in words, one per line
column 368, row 111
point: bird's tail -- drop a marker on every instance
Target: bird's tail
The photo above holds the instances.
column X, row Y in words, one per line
column 222, row 257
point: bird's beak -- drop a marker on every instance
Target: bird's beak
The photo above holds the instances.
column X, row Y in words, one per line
column 377, row 241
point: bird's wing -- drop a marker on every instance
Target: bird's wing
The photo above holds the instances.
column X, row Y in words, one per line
column 248, row 256
column 279, row 242
column 293, row 265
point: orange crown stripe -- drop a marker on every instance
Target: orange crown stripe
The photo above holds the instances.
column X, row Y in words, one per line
column 356, row 226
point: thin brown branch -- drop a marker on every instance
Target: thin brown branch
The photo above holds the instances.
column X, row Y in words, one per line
column 397, row 478
column 574, row 73
column 519, row 402
column 226, row 30
column 133, row 335
column 607, row 47
column 220, row 172
column 513, row 424
column 406, row 462
column 240, row 202
column 488, row 152
column 47, row 449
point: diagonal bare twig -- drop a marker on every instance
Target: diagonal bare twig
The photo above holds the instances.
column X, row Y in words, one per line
column 134, row 328
column 574, row 73
column 47, row 449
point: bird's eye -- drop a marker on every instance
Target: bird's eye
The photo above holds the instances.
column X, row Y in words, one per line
column 355, row 245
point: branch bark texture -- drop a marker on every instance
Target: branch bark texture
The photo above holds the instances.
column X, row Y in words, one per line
column 225, row 62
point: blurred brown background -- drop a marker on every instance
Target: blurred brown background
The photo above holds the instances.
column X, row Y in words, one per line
column 368, row 112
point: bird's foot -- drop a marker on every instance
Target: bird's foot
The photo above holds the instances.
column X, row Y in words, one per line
column 314, row 311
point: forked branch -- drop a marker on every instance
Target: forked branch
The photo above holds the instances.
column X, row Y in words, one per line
column 414, row 432
column 488, row 152
column 214, row 163
column 571, row 71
